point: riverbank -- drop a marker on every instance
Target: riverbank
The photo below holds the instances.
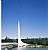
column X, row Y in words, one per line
column 28, row 46
column 36, row 46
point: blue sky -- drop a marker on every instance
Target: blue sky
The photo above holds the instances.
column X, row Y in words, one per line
column 32, row 14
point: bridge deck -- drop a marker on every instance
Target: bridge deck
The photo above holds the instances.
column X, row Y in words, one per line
column 8, row 45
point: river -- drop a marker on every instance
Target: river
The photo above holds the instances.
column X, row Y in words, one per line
column 26, row 49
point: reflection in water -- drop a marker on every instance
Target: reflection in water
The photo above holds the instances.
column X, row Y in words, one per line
column 15, row 48
column 6, row 49
column 26, row 49
column 31, row 49
column 21, row 48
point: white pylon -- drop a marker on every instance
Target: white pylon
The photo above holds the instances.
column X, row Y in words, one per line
column 20, row 43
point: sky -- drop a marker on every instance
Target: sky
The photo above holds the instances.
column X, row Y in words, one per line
column 32, row 15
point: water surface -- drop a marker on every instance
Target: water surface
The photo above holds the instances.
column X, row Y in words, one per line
column 26, row 49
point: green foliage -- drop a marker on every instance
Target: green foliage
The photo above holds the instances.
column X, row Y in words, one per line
column 39, row 41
